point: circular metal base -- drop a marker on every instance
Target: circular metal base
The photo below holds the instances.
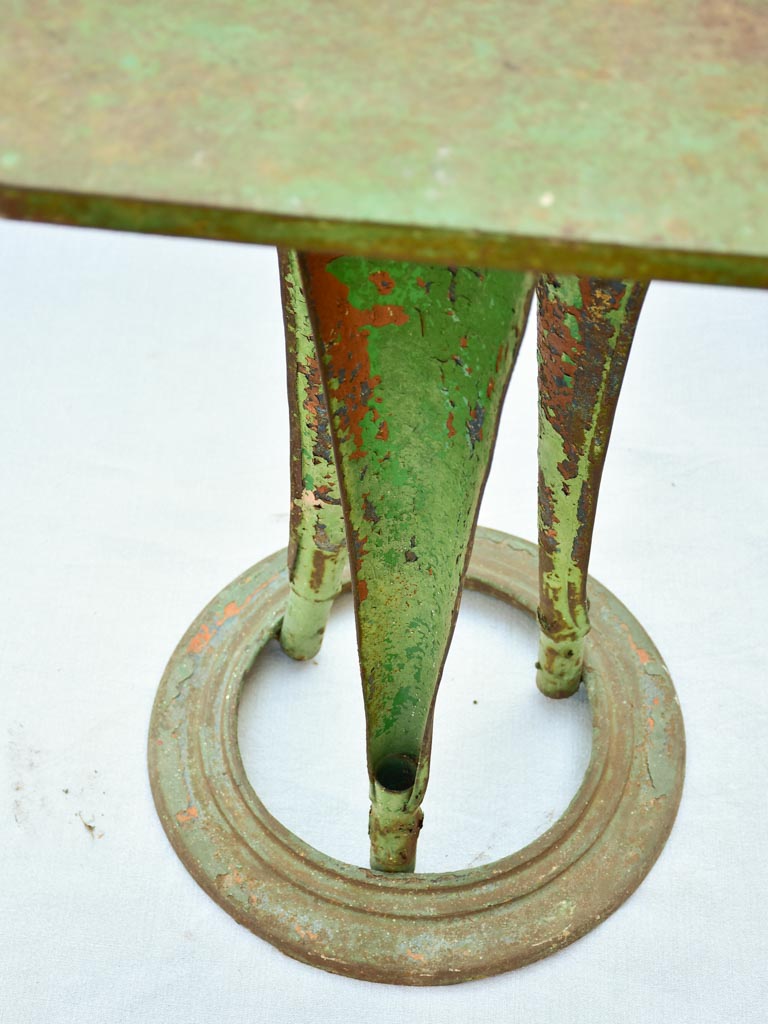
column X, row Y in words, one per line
column 420, row 929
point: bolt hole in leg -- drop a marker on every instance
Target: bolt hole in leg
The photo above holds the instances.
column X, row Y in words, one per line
column 505, row 761
column 396, row 773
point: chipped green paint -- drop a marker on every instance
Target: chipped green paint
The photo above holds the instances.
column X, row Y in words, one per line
column 317, row 551
column 585, row 331
column 415, row 360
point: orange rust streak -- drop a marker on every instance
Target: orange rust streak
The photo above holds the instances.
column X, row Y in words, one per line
column 205, row 634
column 230, row 611
column 651, row 723
column 189, row 815
column 383, row 432
column 343, row 334
column 200, row 640
column 362, row 590
column 414, row 956
column 642, row 655
column 450, row 426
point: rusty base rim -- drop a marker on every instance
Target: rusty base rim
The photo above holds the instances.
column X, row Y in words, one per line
column 421, row 929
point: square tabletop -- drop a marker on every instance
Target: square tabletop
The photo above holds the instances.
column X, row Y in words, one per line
column 616, row 137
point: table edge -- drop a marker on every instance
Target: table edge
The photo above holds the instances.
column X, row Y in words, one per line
column 382, row 240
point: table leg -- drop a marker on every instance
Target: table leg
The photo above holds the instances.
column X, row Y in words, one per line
column 585, row 331
column 415, row 361
column 317, row 550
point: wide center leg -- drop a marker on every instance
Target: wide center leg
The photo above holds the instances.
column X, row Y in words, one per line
column 415, row 361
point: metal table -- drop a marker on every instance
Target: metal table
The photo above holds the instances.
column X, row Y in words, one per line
column 423, row 172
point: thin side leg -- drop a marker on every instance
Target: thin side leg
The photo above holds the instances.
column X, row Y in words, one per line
column 317, row 549
column 415, row 361
column 585, row 331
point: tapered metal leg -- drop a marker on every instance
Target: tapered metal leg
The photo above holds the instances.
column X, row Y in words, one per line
column 415, row 361
column 585, row 331
column 317, row 550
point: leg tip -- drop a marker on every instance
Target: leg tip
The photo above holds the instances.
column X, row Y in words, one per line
column 393, row 840
column 394, row 825
column 301, row 634
column 559, row 668
column 300, row 648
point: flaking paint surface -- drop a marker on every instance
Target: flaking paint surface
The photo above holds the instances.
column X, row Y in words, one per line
column 415, row 358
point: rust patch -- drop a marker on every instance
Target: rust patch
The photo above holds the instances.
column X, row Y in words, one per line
column 319, row 562
column 383, row 281
column 232, row 879
column 200, row 640
column 315, row 410
column 183, row 817
column 642, row 655
column 369, row 511
column 343, row 333
column 205, row 634
column 230, row 611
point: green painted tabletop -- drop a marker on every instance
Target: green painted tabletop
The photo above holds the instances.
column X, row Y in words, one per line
column 624, row 137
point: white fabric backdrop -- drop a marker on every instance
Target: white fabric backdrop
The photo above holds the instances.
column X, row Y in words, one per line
column 144, row 465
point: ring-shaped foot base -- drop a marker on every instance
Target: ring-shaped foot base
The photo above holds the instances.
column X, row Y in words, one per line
column 421, row 929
